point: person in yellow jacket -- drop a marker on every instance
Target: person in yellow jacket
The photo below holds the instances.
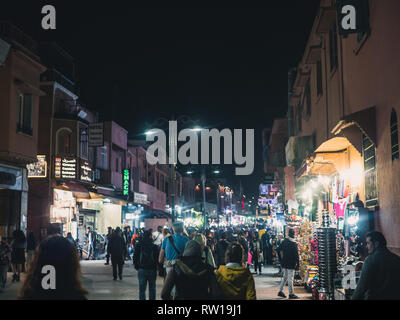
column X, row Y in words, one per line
column 234, row 279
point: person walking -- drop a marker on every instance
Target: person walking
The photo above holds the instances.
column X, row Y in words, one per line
column 145, row 260
column 30, row 248
column 380, row 277
column 70, row 238
column 234, row 279
column 266, row 247
column 90, row 236
column 193, row 279
column 117, row 250
column 289, row 260
column 173, row 246
column 58, row 252
column 158, row 237
column 220, row 249
column 206, row 253
column 127, row 235
column 18, row 246
column 5, row 258
column 107, row 245
column 257, row 254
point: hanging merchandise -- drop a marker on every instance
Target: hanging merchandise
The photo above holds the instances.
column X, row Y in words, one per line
column 340, row 207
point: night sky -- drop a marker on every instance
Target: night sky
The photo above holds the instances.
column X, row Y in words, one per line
column 225, row 67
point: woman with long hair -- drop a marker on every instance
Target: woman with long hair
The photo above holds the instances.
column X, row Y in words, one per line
column 18, row 246
column 58, row 252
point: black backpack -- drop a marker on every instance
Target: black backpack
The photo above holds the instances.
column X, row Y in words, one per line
column 146, row 258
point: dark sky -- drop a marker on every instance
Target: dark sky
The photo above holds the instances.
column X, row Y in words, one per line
column 225, row 67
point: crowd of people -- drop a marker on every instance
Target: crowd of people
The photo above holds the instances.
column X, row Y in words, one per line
column 194, row 264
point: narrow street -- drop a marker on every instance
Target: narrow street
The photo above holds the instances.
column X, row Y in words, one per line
column 97, row 279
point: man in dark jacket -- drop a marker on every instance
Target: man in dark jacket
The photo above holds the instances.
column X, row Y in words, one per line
column 117, row 249
column 145, row 260
column 266, row 247
column 380, row 276
column 289, row 257
column 220, row 250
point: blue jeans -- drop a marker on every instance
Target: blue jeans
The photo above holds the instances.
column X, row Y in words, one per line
column 90, row 250
column 150, row 276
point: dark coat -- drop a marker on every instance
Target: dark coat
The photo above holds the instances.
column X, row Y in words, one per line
column 145, row 245
column 220, row 251
column 289, row 254
column 117, row 245
column 380, row 277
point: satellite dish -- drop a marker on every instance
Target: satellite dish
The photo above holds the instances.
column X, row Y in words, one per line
column 4, row 49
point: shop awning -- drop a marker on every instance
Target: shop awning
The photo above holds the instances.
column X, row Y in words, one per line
column 327, row 158
column 78, row 190
column 351, row 125
column 96, row 196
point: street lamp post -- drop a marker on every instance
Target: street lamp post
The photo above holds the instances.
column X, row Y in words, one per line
column 173, row 156
column 203, row 181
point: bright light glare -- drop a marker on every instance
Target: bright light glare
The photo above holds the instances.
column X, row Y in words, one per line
column 353, row 220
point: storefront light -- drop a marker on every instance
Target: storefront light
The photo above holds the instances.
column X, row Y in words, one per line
column 353, row 174
column 324, row 180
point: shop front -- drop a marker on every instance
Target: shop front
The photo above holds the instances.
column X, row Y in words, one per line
column 63, row 212
column 13, row 199
column 331, row 219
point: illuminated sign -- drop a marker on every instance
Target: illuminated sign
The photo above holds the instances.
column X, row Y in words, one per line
column 65, row 168
column 38, row 169
column 126, row 177
column 263, row 189
column 85, row 171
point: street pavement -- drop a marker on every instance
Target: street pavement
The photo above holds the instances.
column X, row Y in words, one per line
column 97, row 279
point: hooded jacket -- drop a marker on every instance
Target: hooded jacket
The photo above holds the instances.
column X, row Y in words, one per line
column 192, row 277
column 236, row 283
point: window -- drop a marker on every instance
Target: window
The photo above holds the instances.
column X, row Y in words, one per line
column 25, row 113
column 371, row 189
column 117, row 164
column 299, row 120
column 307, row 99
column 319, row 78
column 64, row 142
column 103, row 158
column 333, row 47
column 84, row 145
column 394, row 135
column 361, row 36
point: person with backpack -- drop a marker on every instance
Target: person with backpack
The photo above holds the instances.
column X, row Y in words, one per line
column 173, row 246
column 206, row 254
column 193, row 279
column 145, row 261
